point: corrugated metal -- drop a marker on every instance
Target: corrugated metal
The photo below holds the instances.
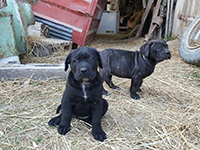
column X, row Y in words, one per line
column 56, row 30
column 185, row 13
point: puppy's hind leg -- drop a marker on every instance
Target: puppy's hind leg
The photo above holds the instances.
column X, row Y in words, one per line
column 55, row 121
column 110, row 83
column 88, row 120
column 104, row 92
column 103, row 78
column 58, row 109
column 105, row 107
column 139, row 90
column 135, row 87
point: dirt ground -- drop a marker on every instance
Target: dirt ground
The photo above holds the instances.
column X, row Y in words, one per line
column 166, row 117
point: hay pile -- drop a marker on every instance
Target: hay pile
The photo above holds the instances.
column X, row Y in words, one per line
column 39, row 46
column 166, row 117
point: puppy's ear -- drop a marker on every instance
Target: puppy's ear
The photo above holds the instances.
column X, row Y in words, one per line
column 99, row 58
column 145, row 49
column 67, row 61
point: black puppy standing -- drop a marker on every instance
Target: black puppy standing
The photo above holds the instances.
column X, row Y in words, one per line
column 83, row 94
column 134, row 65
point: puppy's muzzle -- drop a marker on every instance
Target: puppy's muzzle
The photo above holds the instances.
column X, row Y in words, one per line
column 83, row 70
column 168, row 54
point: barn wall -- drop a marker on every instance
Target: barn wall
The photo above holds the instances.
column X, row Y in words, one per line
column 185, row 12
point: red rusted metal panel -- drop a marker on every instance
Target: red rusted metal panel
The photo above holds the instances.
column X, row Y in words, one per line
column 83, row 16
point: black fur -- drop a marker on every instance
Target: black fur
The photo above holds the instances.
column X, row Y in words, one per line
column 134, row 65
column 83, row 94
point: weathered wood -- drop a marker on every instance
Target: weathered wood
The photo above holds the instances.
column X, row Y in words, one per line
column 156, row 21
column 170, row 18
column 43, row 47
column 33, row 71
column 167, row 19
column 65, row 45
column 138, row 34
column 42, row 50
column 44, row 31
column 133, row 31
column 144, row 4
column 38, row 29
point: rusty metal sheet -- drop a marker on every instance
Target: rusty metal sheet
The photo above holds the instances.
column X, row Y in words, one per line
column 82, row 16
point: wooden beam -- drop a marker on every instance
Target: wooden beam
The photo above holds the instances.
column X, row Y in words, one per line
column 33, row 71
column 138, row 34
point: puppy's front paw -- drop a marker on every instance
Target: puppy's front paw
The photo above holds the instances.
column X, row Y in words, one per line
column 135, row 96
column 117, row 88
column 106, row 93
column 99, row 135
column 63, row 130
column 54, row 121
column 139, row 90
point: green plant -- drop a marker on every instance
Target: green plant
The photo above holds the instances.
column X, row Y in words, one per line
column 195, row 73
column 170, row 38
column 38, row 139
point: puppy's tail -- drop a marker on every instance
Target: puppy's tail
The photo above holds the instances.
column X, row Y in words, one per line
column 58, row 109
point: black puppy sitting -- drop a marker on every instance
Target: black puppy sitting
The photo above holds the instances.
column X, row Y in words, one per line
column 134, row 65
column 83, row 94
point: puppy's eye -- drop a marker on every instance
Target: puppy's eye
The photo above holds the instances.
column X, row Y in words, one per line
column 74, row 60
column 90, row 58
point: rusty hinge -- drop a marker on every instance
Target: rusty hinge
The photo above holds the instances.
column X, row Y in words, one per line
column 181, row 17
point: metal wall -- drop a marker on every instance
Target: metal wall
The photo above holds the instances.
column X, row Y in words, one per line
column 185, row 12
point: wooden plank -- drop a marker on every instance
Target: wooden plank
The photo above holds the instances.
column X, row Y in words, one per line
column 42, row 47
column 38, row 29
column 33, row 71
column 66, row 45
column 138, row 34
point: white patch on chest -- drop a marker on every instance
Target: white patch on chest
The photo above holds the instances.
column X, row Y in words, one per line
column 84, row 91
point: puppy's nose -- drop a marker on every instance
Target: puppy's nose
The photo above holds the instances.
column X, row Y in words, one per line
column 169, row 54
column 83, row 69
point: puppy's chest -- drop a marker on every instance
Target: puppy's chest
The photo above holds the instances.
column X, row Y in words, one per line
column 85, row 96
column 85, row 92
